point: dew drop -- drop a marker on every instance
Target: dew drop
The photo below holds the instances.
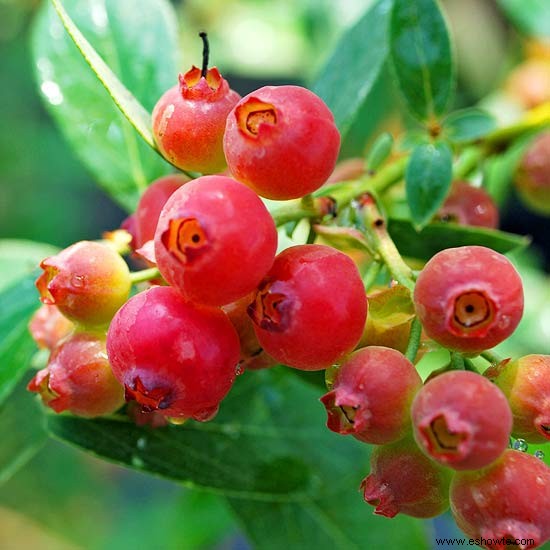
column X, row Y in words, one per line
column 520, row 445
column 539, row 454
column 137, row 462
column 239, row 369
column 77, row 281
column 141, row 443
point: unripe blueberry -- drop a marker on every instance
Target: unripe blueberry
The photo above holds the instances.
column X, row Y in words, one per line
column 79, row 379
column 310, row 309
column 48, row 326
column 469, row 205
column 281, row 141
column 151, row 203
column 171, row 355
column 533, row 175
column 404, row 480
column 461, row 420
column 526, row 384
column 189, row 120
column 88, row 282
column 205, row 244
column 469, row 298
column 372, row 394
column 508, row 499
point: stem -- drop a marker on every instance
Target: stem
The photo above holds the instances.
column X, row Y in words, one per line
column 457, row 361
column 144, row 275
column 491, row 357
column 384, row 246
column 371, row 274
column 205, row 53
column 414, row 340
column 467, row 162
column 469, row 365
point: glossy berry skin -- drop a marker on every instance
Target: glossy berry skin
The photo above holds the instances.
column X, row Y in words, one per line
column 78, row 378
column 215, row 240
column 310, row 309
column 48, row 326
column 469, row 299
column 532, row 179
column 461, row 420
column 526, row 384
column 151, row 204
column 281, row 141
column 189, row 121
column 403, row 480
column 469, row 205
column 508, row 499
column 372, row 395
column 88, row 282
column 173, row 356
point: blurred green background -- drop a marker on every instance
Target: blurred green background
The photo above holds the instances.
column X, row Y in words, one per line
column 64, row 499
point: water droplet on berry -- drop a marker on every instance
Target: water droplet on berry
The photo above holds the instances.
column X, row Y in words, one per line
column 137, row 462
column 539, row 454
column 77, row 281
column 141, row 443
column 239, row 369
column 520, row 445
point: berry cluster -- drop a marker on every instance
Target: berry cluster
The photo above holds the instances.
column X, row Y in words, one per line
column 220, row 300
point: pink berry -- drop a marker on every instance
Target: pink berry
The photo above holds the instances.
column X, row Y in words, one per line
column 526, row 384
column 189, row 120
column 469, row 298
column 403, row 480
column 173, row 356
column 48, row 326
column 469, row 205
column 508, row 500
column 310, row 309
column 79, row 379
column 281, row 141
column 461, row 420
column 372, row 395
column 215, row 240
column 151, row 203
column 88, row 282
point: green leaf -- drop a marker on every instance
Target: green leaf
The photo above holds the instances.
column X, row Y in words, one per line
column 348, row 78
column 530, row 16
column 17, row 303
column 437, row 236
column 420, row 51
column 468, row 125
column 427, row 180
column 380, row 151
column 137, row 39
column 23, row 433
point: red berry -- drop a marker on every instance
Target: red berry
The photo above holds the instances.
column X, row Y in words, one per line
column 469, row 205
column 215, row 240
column 151, row 203
column 372, row 395
column 509, row 500
column 281, row 141
column 526, row 384
column 403, row 480
column 310, row 309
column 469, row 298
column 461, row 420
column 88, row 282
column 79, row 379
column 533, row 175
column 171, row 355
column 48, row 326
column 189, row 120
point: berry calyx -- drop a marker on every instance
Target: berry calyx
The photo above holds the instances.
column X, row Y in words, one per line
column 173, row 356
column 526, row 384
column 88, row 282
column 189, row 120
column 508, row 501
column 79, row 379
column 469, row 299
column 372, row 394
column 461, row 420
column 310, row 309
column 268, row 142
column 403, row 480
column 204, row 245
